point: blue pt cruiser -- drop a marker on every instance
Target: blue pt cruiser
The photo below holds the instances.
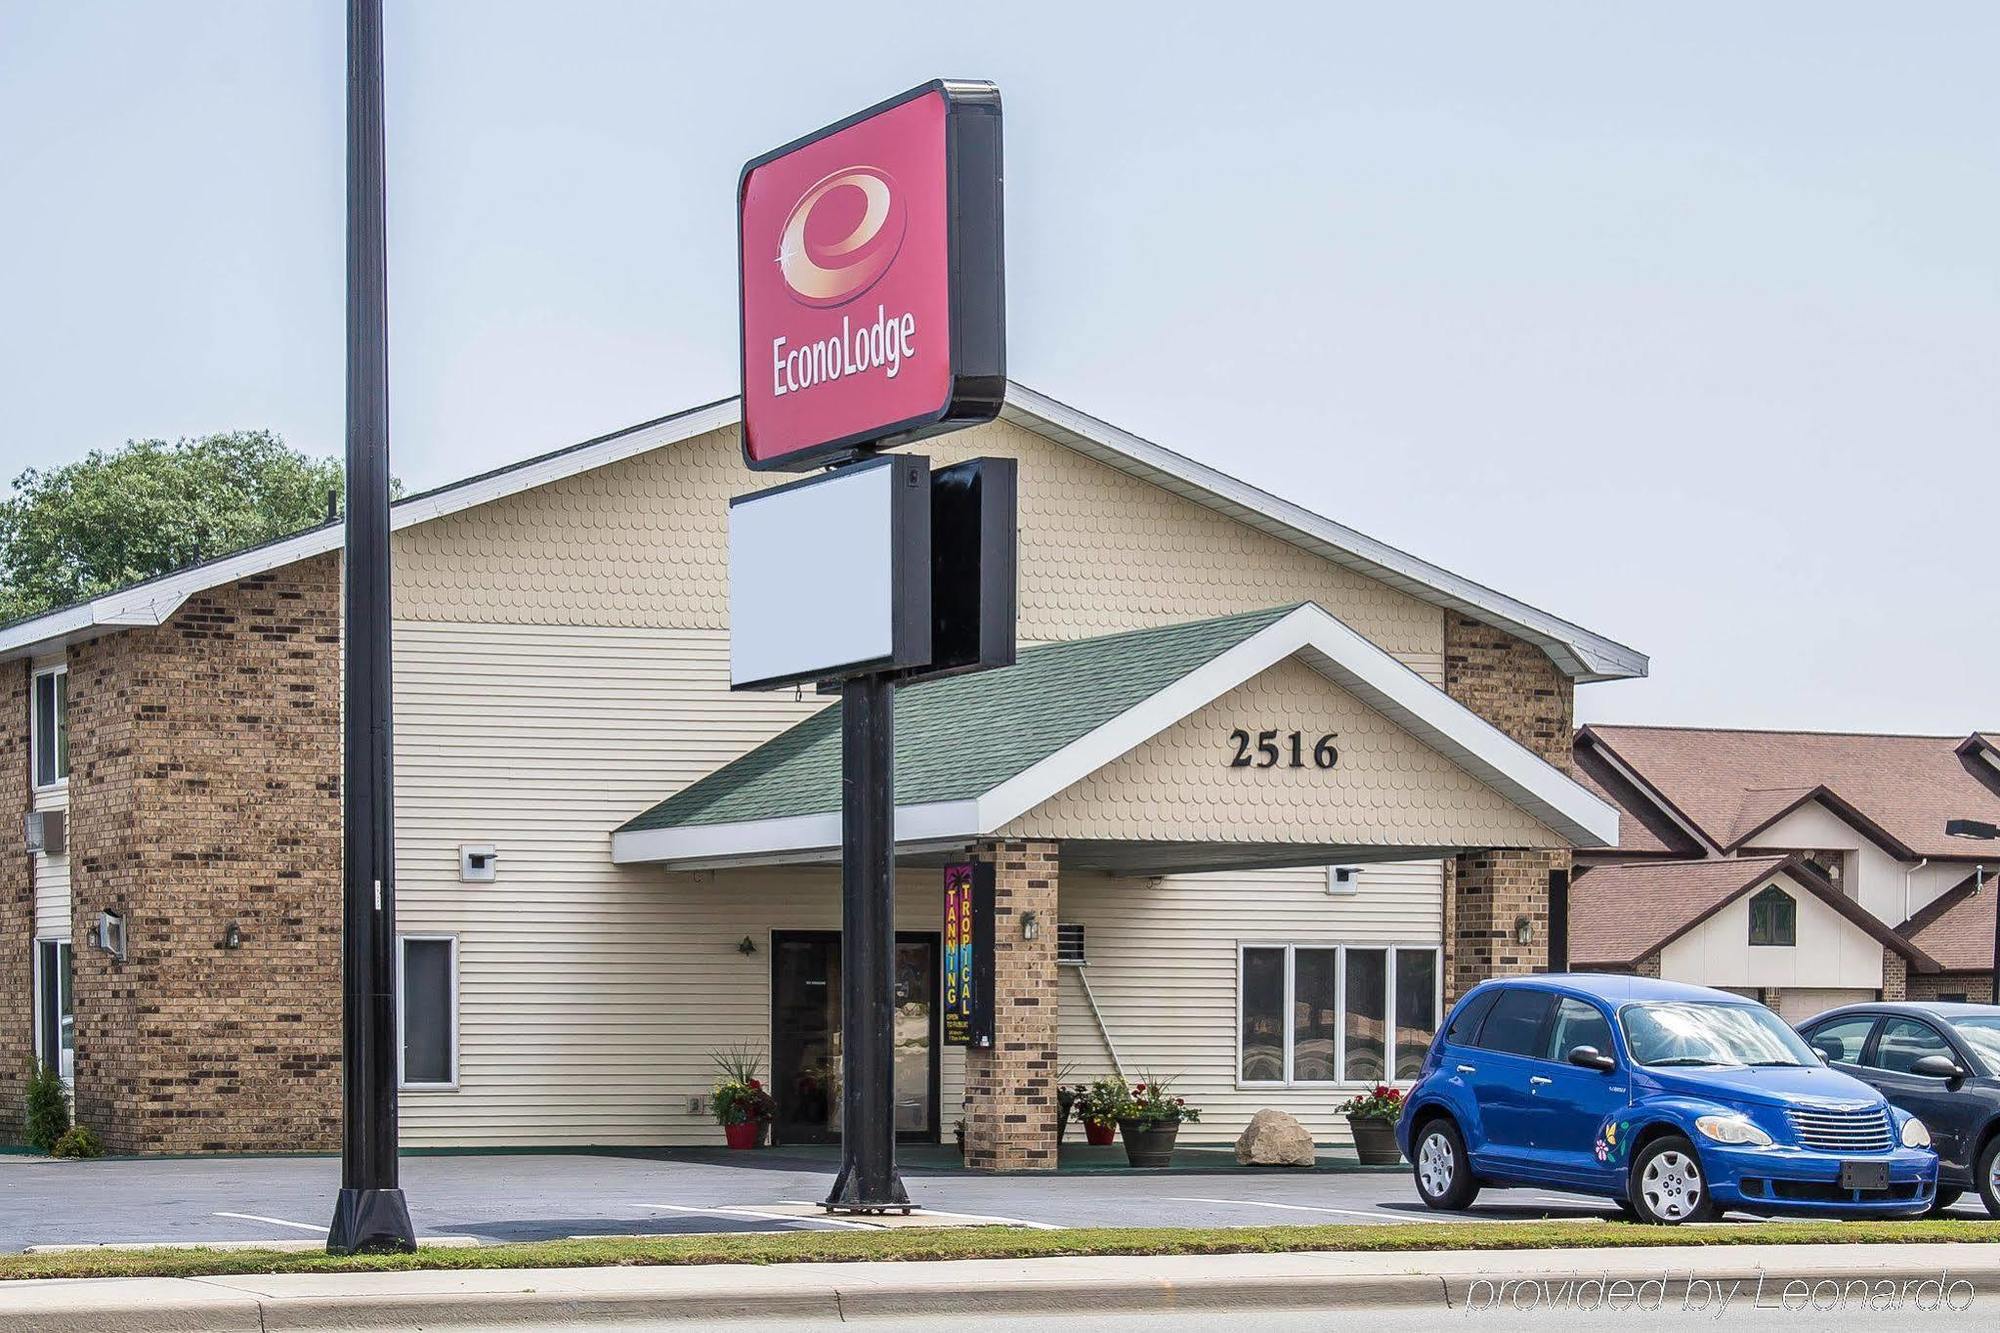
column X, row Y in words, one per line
column 1676, row 1101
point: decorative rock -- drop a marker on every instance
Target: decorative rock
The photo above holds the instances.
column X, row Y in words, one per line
column 1273, row 1138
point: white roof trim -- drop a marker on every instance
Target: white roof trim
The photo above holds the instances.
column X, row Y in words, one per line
column 1333, row 649
column 1581, row 654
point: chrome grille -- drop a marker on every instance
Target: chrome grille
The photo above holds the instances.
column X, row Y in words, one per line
column 1842, row 1131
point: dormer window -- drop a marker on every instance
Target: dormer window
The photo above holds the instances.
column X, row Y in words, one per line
column 1774, row 918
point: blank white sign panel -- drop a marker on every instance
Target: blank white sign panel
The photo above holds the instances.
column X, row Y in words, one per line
column 812, row 578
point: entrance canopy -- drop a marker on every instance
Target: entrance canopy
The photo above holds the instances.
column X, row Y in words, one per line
column 1278, row 737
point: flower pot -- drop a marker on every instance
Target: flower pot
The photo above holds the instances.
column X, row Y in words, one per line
column 1374, row 1141
column 1099, row 1133
column 743, row 1135
column 1149, row 1147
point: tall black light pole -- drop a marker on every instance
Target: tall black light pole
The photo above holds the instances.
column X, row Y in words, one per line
column 1979, row 828
column 370, row 1215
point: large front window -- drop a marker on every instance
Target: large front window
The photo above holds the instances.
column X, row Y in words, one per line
column 1696, row 1033
column 1313, row 1014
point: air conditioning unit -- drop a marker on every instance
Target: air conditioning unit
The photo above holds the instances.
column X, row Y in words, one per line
column 48, row 832
column 1069, row 943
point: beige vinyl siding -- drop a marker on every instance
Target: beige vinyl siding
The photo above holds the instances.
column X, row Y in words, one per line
column 1163, row 968
column 591, row 994
column 51, row 877
column 643, row 542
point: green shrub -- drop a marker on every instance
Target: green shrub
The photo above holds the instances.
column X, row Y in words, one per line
column 48, row 1108
column 79, row 1141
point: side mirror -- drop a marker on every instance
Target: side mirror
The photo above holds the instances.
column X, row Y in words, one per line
column 1937, row 1066
column 1589, row 1057
column 1829, row 1050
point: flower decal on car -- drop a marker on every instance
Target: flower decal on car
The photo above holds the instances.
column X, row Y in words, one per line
column 1611, row 1142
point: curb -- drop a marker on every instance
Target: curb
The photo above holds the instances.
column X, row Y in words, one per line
column 175, row 1305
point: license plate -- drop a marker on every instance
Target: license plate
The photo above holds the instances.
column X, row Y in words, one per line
column 1864, row 1175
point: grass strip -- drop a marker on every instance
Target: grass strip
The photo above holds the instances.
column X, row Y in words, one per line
column 993, row 1243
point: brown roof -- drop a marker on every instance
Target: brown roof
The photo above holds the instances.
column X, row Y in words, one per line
column 1899, row 790
column 1619, row 914
column 1956, row 928
column 1643, row 829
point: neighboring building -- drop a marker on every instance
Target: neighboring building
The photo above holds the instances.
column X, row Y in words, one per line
column 1810, row 869
column 609, row 866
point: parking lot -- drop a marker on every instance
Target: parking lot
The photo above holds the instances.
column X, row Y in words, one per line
column 494, row 1198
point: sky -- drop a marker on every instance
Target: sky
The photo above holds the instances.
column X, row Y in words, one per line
column 1679, row 321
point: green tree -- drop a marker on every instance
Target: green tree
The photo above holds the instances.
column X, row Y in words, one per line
column 150, row 507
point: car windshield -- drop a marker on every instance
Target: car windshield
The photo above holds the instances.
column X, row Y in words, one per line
column 1683, row 1033
column 1982, row 1034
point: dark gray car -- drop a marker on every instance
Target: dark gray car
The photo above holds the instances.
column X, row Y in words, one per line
column 1941, row 1063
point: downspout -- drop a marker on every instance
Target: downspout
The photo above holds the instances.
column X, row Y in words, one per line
column 1906, row 884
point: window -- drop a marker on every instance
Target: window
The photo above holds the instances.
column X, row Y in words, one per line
column 55, row 1008
column 1514, row 1025
column 427, row 994
column 1465, row 1023
column 1579, row 1024
column 1314, row 1014
column 50, row 727
column 1841, row 1040
column 1774, row 918
column 1904, row 1041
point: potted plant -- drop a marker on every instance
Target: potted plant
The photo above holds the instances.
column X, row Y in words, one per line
column 1372, row 1117
column 738, row 1100
column 1065, row 1102
column 1151, row 1119
column 1097, row 1104
column 959, row 1131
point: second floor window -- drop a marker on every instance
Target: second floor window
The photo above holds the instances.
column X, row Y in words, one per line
column 51, row 726
column 1774, row 917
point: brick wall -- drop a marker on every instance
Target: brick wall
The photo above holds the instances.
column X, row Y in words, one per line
column 1895, row 975
column 17, row 907
column 1976, row 987
column 204, row 790
column 1517, row 688
column 1010, row 1089
column 1649, row 966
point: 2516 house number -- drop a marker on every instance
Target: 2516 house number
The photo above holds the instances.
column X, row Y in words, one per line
column 1272, row 748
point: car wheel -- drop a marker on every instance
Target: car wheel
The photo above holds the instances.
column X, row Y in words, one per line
column 1987, row 1175
column 1668, row 1185
column 1942, row 1200
column 1443, row 1171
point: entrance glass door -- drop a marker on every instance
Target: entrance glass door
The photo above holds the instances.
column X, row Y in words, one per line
column 805, row 1036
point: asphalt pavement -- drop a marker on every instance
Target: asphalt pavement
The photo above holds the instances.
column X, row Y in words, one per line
column 514, row 1197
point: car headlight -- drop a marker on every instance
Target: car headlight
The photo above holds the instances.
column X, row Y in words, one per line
column 1732, row 1129
column 1916, row 1134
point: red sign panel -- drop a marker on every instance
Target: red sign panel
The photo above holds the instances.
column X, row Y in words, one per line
column 872, row 301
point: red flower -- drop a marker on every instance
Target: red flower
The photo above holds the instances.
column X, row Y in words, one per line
column 755, row 1084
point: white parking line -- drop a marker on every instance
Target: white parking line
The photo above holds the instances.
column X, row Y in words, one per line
column 1289, row 1207
column 275, row 1221
column 972, row 1217
column 753, row 1212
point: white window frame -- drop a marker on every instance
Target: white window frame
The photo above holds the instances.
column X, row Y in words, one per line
column 37, row 998
column 402, row 997
column 1339, row 948
column 35, row 727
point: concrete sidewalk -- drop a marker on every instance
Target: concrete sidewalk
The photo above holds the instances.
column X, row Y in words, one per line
column 831, row 1293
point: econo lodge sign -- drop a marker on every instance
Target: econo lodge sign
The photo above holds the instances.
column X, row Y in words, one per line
column 870, row 277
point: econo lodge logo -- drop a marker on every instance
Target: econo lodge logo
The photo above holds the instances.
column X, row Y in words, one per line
column 841, row 236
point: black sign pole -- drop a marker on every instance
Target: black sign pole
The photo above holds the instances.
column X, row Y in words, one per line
column 868, row 1181
column 370, row 1215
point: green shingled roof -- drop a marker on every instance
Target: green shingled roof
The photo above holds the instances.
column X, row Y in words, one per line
column 962, row 736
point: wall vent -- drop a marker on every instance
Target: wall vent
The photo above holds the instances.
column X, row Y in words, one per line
column 1069, row 943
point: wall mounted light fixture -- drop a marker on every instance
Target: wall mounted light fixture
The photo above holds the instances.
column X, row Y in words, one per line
column 1524, row 930
column 232, row 937
column 746, row 946
column 1028, row 925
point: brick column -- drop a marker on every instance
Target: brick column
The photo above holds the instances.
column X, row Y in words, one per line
column 17, row 908
column 1515, row 686
column 1010, row 1089
column 1895, row 976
